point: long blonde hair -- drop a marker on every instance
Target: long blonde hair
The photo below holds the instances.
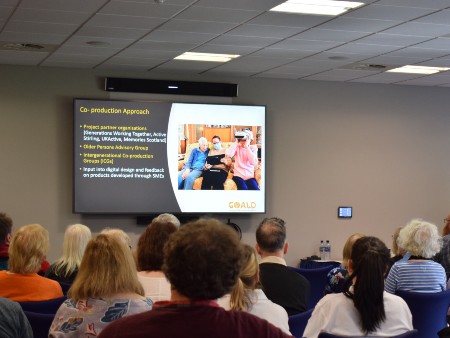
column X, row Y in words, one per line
column 239, row 298
column 28, row 248
column 107, row 268
column 75, row 240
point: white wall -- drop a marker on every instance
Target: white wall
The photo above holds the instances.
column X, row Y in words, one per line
column 382, row 149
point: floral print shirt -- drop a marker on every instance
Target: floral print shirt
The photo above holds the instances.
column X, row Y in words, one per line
column 87, row 318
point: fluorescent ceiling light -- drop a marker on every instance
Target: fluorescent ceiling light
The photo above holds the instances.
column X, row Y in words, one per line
column 319, row 7
column 206, row 57
column 418, row 69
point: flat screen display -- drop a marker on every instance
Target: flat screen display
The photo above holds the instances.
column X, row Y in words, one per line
column 345, row 212
column 128, row 156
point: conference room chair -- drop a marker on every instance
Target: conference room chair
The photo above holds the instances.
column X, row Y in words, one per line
column 65, row 287
column 317, row 279
column 297, row 323
column 40, row 323
column 429, row 310
column 409, row 334
column 43, row 306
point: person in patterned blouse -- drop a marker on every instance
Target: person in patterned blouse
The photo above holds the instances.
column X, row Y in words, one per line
column 106, row 288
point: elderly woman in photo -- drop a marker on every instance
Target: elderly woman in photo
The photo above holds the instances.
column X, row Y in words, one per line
column 419, row 273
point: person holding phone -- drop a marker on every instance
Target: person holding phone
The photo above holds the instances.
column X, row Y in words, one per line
column 216, row 168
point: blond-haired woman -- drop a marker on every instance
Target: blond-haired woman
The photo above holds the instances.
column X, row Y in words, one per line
column 246, row 297
column 337, row 276
column 75, row 240
column 106, row 288
column 28, row 249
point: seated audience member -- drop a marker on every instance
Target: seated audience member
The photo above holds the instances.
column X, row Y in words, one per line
column 202, row 261
column 167, row 218
column 106, row 288
column 280, row 284
column 337, row 276
column 75, row 240
column 245, row 160
column 118, row 233
column 13, row 322
column 443, row 256
column 6, row 224
column 419, row 273
column 216, row 169
column 193, row 168
column 364, row 308
column 245, row 297
column 397, row 252
column 29, row 246
column 150, row 255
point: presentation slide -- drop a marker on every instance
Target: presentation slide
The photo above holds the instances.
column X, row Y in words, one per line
column 127, row 156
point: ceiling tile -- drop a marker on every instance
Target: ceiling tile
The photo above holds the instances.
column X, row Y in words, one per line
column 197, row 26
column 306, row 45
column 339, row 75
column 179, row 37
column 122, row 21
column 392, row 39
column 136, row 9
column 359, row 25
column 384, row 12
column 434, row 4
column 329, row 35
column 216, row 14
column 264, row 31
column 419, row 29
column 234, row 40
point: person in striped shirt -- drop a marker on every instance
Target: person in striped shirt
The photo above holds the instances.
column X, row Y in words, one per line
column 419, row 273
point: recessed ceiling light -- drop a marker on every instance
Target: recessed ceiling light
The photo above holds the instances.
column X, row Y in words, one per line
column 318, row 7
column 418, row 69
column 206, row 57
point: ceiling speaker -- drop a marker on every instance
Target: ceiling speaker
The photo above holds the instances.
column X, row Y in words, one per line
column 113, row 84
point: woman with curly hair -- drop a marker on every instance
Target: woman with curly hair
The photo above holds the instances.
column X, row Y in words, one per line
column 419, row 273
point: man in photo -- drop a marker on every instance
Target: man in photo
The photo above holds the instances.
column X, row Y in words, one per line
column 194, row 166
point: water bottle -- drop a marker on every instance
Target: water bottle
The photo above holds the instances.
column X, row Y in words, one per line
column 322, row 250
column 327, row 251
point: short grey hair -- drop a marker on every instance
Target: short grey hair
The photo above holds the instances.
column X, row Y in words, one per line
column 202, row 140
column 167, row 218
column 420, row 238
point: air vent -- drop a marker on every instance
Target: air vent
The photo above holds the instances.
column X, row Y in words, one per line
column 367, row 66
column 26, row 47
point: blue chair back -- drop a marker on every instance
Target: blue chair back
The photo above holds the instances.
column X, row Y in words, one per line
column 40, row 323
column 65, row 287
column 44, row 306
column 409, row 334
column 429, row 310
column 297, row 323
column 317, row 279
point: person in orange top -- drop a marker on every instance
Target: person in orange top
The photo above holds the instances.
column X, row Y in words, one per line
column 29, row 247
